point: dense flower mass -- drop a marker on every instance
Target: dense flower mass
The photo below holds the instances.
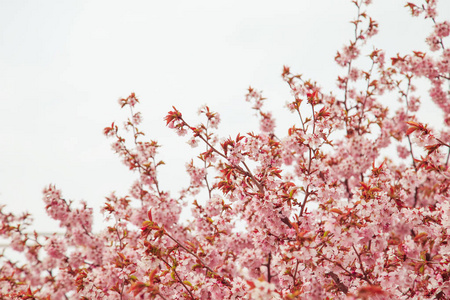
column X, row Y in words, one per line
column 318, row 213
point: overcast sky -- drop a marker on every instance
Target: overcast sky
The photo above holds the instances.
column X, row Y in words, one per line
column 64, row 64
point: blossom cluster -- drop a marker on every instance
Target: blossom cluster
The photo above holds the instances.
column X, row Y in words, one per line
column 318, row 213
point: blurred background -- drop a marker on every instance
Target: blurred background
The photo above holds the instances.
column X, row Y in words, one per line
column 64, row 64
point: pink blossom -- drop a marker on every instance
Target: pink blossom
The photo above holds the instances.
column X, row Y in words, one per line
column 197, row 174
column 402, row 151
column 215, row 120
column 348, row 54
column 55, row 247
column 267, row 123
column 354, row 74
column 442, row 29
column 323, row 209
column 137, row 118
column 17, row 242
column 434, row 42
column 193, row 142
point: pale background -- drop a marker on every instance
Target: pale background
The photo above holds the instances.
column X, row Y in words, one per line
column 64, row 64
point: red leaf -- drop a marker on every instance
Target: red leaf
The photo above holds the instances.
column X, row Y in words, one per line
column 410, row 130
column 149, row 214
column 137, row 287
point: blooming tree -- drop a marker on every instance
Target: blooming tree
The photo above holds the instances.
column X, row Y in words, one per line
column 325, row 215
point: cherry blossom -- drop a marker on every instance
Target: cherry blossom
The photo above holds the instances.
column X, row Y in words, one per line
column 317, row 212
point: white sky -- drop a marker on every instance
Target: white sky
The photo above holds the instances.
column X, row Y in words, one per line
column 64, row 64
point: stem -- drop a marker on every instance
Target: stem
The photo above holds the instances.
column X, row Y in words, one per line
column 140, row 168
column 245, row 172
column 365, row 97
column 412, row 153
column 442, row 143
column 206, row 173
column 405, row 95
column 190, row 252
column 448, row 156
column 305, row 200
column 205, row 140
column 118, row 236
column 357, row 37
column 248, row 173
column 161, row 296
column 346, row 89
column 258, row 184
column 132, row 125
column 301, row 120
column 309, row 162
column 156, row 180
column 207, row 185
column 441, row 42
column 269, row 277
column 121, row 292
column 295, row 272
column 337, row 264
column 179, row 279
column 347, row 187
column 342, row 287
column 366, row 278
column 415, row 196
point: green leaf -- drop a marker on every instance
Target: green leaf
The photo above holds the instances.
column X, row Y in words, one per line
column 187, row 283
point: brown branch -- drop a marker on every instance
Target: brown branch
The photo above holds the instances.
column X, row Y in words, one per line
column 305, row 200
column 347, row 187
column 366, row 278
column 416, row 190
column 258, row 184
column 342, row 287
column 179, row 279
column 248, row 173
column 365, row 98
column 159, row 294
column 295, row 272
column 206, row 173
column 269, row 276
column 442, row 143
column 190, row 252
column 448, row 156
column 337, row 264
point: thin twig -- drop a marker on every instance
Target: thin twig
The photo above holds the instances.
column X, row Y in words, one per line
column 179, row 279
column 366, row 278
column 190, row 252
